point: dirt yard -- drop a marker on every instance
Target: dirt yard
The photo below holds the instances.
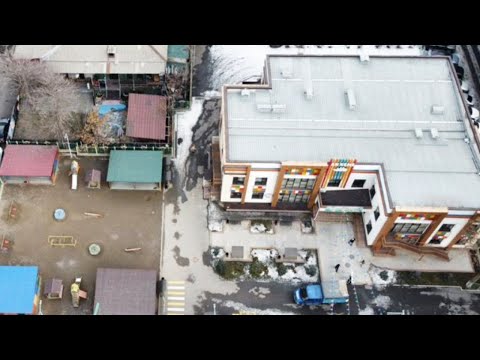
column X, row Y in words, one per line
column 130, row 219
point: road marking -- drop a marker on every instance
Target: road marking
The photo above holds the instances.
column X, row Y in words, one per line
column 176, row 309
column 176, row 293
column 176, row 287
column 182, row 304
column 175, row 297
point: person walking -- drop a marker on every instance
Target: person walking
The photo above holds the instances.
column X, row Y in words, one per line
column 349, row 281
column 337, row 267
column 351, row 241
column 362, row 262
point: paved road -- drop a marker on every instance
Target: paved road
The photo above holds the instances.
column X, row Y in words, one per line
column 261, row 298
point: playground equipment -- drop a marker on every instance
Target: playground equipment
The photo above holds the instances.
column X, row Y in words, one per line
column 53, row 289
column 93, row 179
column 77, row 294
column 74, row 169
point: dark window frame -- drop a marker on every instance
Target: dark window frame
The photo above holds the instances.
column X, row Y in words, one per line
column 235, row 194
column 369, row 227
column 334, row 183
column 448, row 226
column 373, row 191
column 258, row 196
column 235, row 178
column 376, row 213
column 357, row 181
column 261, row 181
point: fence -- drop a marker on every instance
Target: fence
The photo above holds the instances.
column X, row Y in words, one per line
column 81, row 149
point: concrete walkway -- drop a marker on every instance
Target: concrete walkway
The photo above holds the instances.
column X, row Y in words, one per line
column 186, row 243
column 331, row 240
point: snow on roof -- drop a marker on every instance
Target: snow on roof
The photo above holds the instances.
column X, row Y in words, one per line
column 93, row 59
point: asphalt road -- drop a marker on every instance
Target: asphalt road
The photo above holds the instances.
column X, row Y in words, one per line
column 269, row 298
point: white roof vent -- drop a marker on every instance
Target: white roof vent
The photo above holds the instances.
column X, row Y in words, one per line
column 418, row 133
column 364, row 57
column 309, row 93
column 245, row 92
column 279, row 108
column 438, row 110
column 286, row 73
column 352, row 101
column 264, row 108
column 434, row 133
column 111, row 50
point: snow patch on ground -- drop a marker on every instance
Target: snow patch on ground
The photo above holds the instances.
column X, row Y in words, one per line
column 367, row 311
column 244, row 310
column 186, row 120
column 295, row 272
column 210, row 94
column 383, row 301
column 233, row 64
column 382, row 277
column 264, row 256
column 217, row 253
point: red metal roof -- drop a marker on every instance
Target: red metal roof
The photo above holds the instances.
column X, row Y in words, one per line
column 146, row 116
column 28, row 160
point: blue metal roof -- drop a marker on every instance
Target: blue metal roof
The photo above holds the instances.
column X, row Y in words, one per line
column 18, row 285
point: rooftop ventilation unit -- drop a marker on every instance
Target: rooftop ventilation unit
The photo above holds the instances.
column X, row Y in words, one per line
column 438, row 110
column 365, row 58
column 418, row 133
column 279, row 108
column 434, row 133
column 245, row 92
column 264, row 108
column 352, row 102
column 309, row 93
column 111, row 50
column 286, row 73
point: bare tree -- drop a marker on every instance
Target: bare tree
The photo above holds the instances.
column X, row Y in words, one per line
column 50, row 96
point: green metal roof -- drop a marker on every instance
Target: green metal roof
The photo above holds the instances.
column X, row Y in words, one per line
column 139, row 166
column 178, row 52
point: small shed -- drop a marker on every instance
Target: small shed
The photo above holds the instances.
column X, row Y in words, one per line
column 125, row 292
column 93, row 179
column 147, row 116
column 19, row 290
column 29, row 164
column 135, row 170
column 53, row 289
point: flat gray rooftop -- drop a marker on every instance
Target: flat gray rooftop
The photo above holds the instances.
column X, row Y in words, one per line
column 403, row 112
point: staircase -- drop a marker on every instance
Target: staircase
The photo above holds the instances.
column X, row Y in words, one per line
column 391, row 244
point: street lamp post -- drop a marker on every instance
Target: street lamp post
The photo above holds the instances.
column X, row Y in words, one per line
column 68, row 143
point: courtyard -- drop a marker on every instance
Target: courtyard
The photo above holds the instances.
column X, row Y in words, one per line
column 115, row 229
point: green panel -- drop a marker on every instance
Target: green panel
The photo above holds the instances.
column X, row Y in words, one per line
column 135, row 166
column 178, row 52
